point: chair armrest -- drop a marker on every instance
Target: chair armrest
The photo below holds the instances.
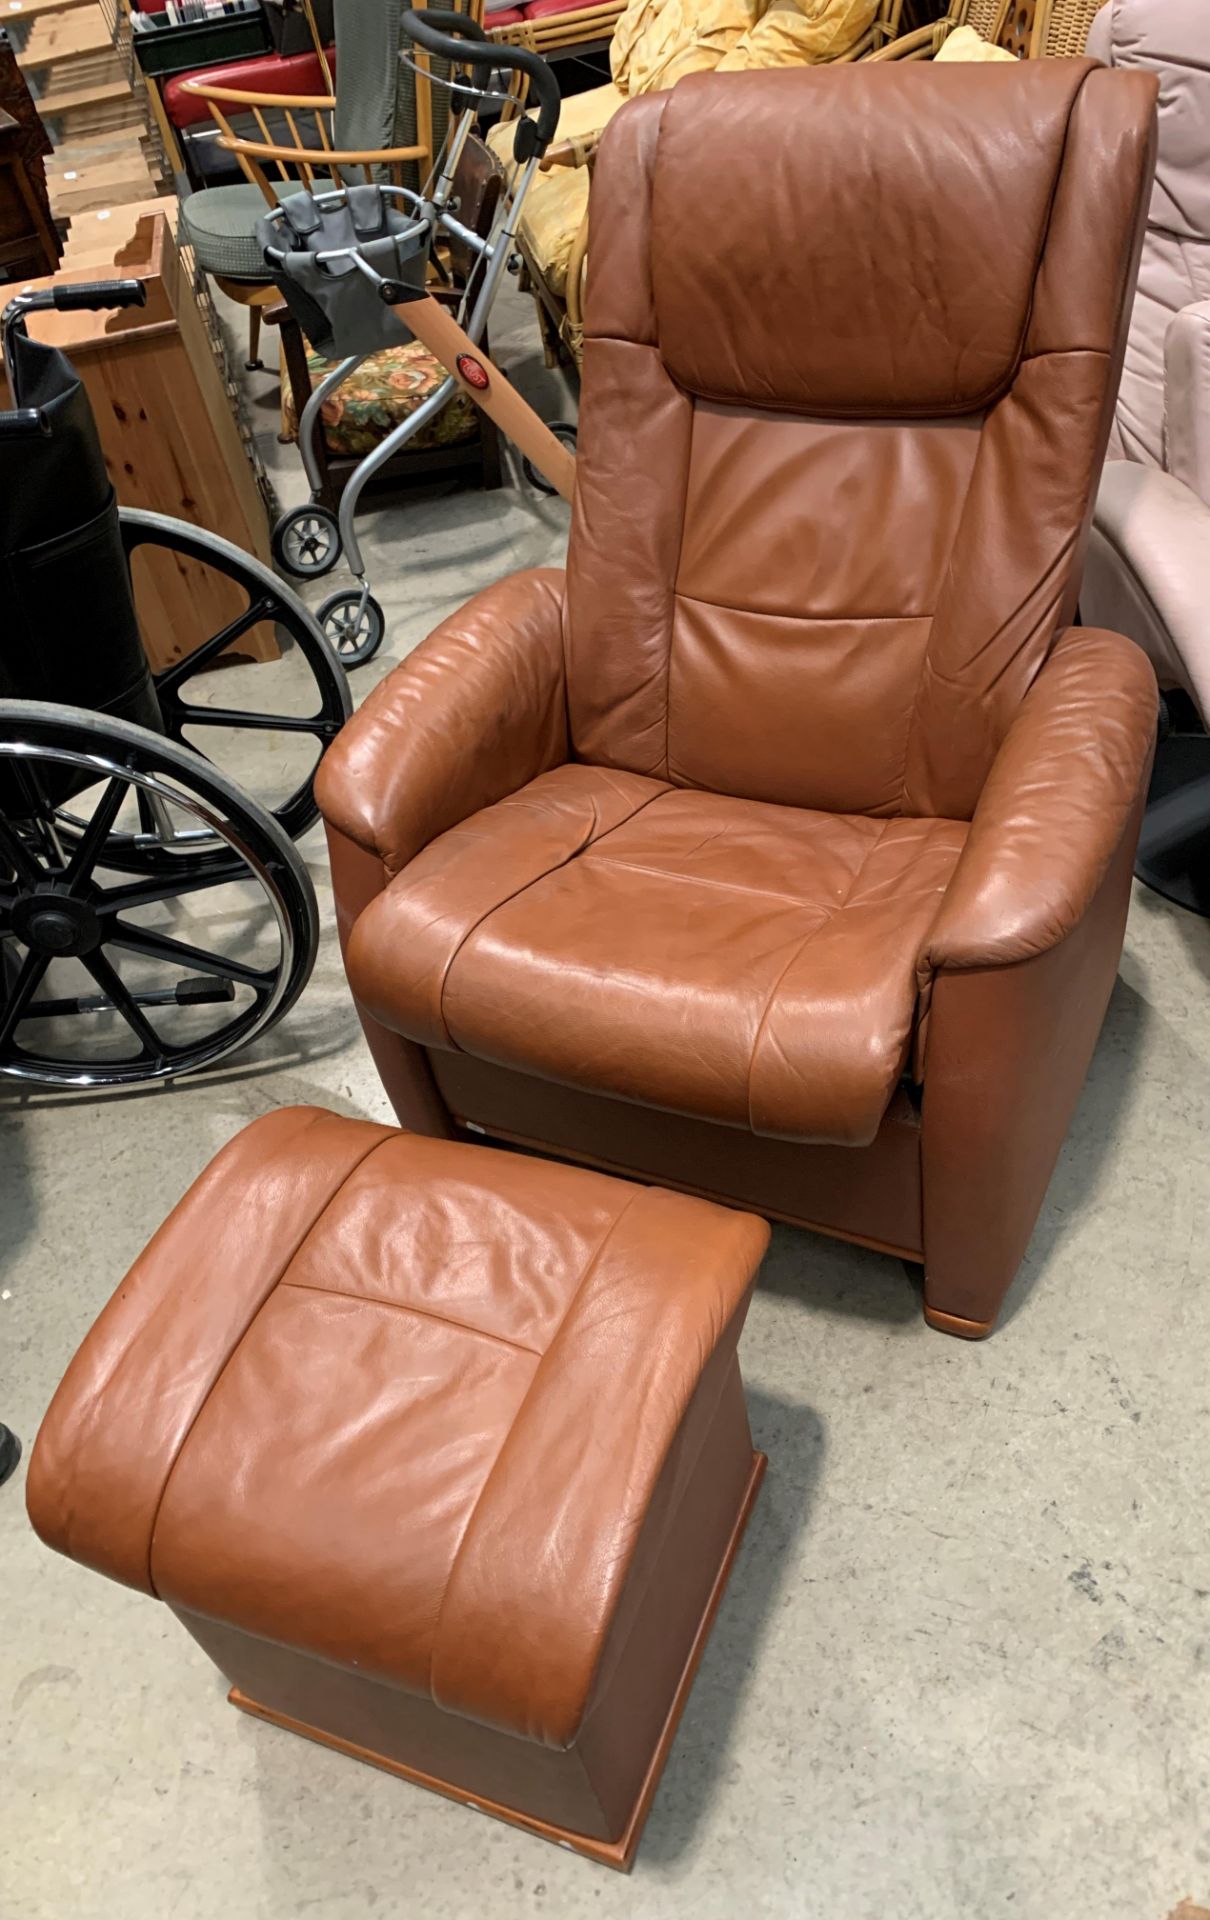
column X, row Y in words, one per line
column 920, row 44
column 1187, row 398
column 1061, row 794
column 574, row 152
column 477, row 711
column 1148, row 571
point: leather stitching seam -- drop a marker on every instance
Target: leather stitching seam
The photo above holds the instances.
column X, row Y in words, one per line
column 806, row 619
column 796, row 955
column 702, row 880
column 585, row 841
column 590, row 1266
column 287, row 1263
column 407, row 1306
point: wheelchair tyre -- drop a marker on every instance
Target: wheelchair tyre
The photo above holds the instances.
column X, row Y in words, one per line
column 306, row 542
column 563, row 430
column 134, row 1000
column 354, row 630
column 269, row 601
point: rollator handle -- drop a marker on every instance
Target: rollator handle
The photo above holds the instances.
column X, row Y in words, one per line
column 454, row 36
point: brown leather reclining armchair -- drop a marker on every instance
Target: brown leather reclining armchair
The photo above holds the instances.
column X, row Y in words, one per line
column 781, row 850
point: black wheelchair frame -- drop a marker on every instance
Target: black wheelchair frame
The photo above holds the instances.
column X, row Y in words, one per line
column 118, row 824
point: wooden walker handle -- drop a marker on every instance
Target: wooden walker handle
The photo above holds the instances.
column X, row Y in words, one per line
column 437, row 329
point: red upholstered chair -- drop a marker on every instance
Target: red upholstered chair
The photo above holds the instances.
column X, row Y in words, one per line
column 781, row 849
column 556, row 28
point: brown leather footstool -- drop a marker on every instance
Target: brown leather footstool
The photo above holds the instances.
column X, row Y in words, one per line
column 441, row 1454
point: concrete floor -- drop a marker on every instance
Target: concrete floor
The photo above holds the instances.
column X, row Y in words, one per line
column 963, row 1667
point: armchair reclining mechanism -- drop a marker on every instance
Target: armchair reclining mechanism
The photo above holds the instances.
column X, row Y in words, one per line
column 780, row 850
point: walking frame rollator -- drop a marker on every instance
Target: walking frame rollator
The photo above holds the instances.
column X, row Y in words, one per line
column 353, row 266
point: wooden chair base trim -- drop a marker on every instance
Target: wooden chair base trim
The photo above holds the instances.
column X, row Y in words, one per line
column 619, row 1853
column 954, row 1323
column 549, row 1151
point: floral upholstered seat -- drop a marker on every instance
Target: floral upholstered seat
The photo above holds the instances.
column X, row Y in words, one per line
column 383, row 392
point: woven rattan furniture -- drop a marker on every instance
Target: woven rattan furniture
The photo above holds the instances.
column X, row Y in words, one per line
column 558, row 34
column 1029, row 29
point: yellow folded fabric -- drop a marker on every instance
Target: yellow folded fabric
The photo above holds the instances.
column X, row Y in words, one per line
column 657, row 42
column 550, row 221
column 964, row 44
column 557, row 201
column 796, row 33
column 581, row 115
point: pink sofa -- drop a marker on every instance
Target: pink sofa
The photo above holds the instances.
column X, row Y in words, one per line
column 1148, row 567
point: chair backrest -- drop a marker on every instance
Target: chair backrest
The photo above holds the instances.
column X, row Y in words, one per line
column 852, row 343
column 1170, row 38
column 384, row 121
column 380, row 100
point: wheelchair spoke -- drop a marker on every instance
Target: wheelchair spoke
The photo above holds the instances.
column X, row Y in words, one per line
column 171, row 677
column 190, row 716
column 15, row 853
column 25, row 985
column 161, row 946
column 149, row 893
column 95, row 834
column 113, row 987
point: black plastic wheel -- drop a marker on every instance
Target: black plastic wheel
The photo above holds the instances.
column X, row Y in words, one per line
column 563, row 430
column 10, row 1453
column 293, row 741
column 111, row 982
column 306, row 541
column 355, row 629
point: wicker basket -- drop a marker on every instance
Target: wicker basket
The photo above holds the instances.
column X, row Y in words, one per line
column 1062, row 26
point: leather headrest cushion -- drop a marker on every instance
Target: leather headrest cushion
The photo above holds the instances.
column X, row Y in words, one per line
column 857, row 240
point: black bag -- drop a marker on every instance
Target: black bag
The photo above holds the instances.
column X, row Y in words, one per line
column 334, row 303
column 68, row 628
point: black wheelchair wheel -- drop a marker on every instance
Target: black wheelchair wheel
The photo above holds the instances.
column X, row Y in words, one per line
column 295, row 706
column 107, row 981
column 306, row 541
column 355, row 629
column 563, row 430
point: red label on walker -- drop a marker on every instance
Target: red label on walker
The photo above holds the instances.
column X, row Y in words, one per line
column 473, row 372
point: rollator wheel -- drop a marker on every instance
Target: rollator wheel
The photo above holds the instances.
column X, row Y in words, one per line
column 107, row 981
column 354, row 630
column 563, row 430
column 306, row 542
column 264, row 724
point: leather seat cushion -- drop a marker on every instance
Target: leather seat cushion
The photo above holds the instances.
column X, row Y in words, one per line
column 718, row 957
